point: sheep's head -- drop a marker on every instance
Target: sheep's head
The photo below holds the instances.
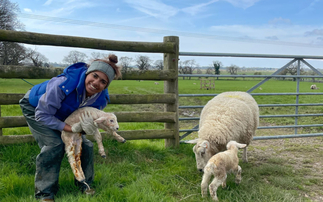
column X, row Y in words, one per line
column 108, row 122
column 203, row 153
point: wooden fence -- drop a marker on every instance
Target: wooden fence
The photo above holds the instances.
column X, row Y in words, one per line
column 169, row 47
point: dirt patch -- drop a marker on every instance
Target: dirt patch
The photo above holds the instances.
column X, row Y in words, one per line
column 300, row 153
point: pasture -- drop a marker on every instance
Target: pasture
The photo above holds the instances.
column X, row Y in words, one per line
column 144, row 170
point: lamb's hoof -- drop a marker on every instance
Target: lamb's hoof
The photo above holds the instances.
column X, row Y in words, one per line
column 104, row 156
column 89, row 192
column 124, row 141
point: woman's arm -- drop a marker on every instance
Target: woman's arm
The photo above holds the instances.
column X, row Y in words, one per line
column 49, row 103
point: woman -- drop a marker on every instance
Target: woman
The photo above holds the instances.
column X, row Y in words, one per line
column 48, row 104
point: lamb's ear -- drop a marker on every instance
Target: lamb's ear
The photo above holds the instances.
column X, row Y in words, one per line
column 191, row 141
column 240, row 146
column 100, row 120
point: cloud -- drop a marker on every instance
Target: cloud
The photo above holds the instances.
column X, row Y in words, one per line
column 200, row 8
column 315, row 32
column 279, row 20
column 28, row 10
column 273, row 38
column 48, row 2
column 193, row 10
column 153, row 8
column 242, row 3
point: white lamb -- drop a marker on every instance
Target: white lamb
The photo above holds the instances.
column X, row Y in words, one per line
column 314, row 87
column 219, row 166
column 73, row 141
column 228, row 116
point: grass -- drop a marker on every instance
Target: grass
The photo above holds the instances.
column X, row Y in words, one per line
column 144, row 170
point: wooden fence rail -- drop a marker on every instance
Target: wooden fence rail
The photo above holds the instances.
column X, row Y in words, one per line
column 170, row 48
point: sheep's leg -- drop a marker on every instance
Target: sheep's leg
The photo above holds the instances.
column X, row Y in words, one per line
column 118, row 137
column 244, row 155
column 98, row 139
column 205, row 181
column 213, row 187
column 78, row 153
column 238, row 175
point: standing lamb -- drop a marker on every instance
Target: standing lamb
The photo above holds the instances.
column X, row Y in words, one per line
column 228, row 116
column 73, row 141
column 218, row 166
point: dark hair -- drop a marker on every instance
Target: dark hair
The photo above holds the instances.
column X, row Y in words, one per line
column 112, row 60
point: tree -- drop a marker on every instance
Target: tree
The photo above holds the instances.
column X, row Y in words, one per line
column 8, row 16
column 74, row 57
column 209, row 70
column 143, row 62
column 10, row 53
column 98, row 55
column 159, row 65
column 292, row 70
column 233, row 69
column 187, row 67
column 199, row 71
column 217, row 65
column 38, row 59
column 125, row 63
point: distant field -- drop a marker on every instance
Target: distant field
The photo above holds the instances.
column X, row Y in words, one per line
column 192, row 86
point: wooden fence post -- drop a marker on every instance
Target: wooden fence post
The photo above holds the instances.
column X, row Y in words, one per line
column 171, row 86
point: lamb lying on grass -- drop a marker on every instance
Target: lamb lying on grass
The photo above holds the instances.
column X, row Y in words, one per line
column 218, row 166
column 73, row 141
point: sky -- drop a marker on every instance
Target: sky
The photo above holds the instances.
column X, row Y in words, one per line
column 283, row 27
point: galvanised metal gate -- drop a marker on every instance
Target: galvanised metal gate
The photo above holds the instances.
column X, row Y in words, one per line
column 295, row 58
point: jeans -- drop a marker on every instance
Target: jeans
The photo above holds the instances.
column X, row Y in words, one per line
column 52, row 151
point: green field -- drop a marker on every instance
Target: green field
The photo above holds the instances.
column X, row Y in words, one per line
column 144, row 170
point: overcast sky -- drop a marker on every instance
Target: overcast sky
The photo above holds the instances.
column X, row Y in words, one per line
column 286, row 27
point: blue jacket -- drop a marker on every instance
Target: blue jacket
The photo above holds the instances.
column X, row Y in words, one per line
column 73, row 89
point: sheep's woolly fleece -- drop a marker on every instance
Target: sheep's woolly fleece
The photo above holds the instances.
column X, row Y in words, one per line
column 229, row 116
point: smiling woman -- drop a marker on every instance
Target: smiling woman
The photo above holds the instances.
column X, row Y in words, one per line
column 48, row 104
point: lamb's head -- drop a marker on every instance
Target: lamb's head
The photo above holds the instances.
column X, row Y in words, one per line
column 107, row 122
column 203, row 153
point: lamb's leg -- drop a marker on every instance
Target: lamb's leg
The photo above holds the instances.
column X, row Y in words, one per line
column 98, row 139
column 78, row 153
column 205, row 181
column 238, row 175
column 224, row 183
column 244, row 155
column 70, row 151
column 118, row 137
column 213, row 187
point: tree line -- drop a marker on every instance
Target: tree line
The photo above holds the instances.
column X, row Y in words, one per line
column 12, row 53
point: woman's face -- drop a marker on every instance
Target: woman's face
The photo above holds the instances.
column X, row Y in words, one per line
column 95, row 82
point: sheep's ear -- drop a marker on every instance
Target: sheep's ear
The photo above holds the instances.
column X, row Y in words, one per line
column 191, row 141
column 205, row 144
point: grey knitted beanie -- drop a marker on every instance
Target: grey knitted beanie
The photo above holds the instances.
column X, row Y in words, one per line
column 102, row 67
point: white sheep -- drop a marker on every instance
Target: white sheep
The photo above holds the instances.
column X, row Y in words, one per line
column 73, row 141
column 219, row 166
column 228, row 116
column 314, row 87
column 156, row 83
